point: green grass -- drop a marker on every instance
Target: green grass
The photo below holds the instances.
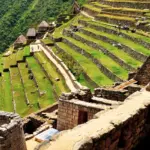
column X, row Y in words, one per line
column 29, row 86
column 58, row 31
column 116, row 17
column 98, row 10
column 104, row 59
column 6, row 93
column 59, row 86
column 44, row 84
column 90, row 68
column 118, row 52
column 77, row 68
column 18, row 93
column 13, row 58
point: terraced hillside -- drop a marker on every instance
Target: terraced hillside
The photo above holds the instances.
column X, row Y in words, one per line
column 28, row 83
column 108, row 40
column 98, row 47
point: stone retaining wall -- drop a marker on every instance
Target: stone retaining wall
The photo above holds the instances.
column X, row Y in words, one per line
column 11, row 132
column 115, row 21
column 132, row 52
column 90, row 11
column 123, row 12
column 111, row 94
column 143, row 74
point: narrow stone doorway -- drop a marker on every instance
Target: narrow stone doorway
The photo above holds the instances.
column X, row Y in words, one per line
column 83, row 117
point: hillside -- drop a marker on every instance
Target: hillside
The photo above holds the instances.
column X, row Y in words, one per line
column 98, row 47
column 16, row 16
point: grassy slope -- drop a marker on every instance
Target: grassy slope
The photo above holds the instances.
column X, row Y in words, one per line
column 96, row 75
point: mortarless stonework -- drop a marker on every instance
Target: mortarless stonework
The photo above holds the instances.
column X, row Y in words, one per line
column 11, row 132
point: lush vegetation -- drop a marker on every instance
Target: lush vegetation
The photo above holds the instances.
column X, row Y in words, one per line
column 16, row 16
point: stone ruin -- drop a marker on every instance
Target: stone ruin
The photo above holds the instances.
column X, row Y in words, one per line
column 11, row 132
column 112, row 118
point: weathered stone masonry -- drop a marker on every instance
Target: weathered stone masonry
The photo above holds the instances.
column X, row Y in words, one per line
column 11, row 132
column 119, row 128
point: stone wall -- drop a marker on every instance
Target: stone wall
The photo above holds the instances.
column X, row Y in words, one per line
column 143, row 74
column 11, row 132
column 69, row 107
column 120, row 128
column 128, row 50
column 111, row 94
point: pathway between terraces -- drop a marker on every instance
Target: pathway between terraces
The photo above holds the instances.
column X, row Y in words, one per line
column 68, row 80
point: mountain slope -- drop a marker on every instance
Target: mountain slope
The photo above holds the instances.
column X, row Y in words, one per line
column 17, row 16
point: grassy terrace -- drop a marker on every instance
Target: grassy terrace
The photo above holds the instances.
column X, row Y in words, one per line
column 58, row 86
column 29, row 86
column 97, row 4
column 58, row 31
column 98, row 10
column 134, row 35
column 118, row 52
column 81, row 78
column 47, row 41
column 6, row 93
column 90, row 68
column 104, row 59
column 13, row 58
column 18, row 93
column 116, row 17
column 44, row 84
column 129, row 43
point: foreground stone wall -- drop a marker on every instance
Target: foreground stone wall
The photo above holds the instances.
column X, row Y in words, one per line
column 11, row 132
column 119, row 128
column 70, row 106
